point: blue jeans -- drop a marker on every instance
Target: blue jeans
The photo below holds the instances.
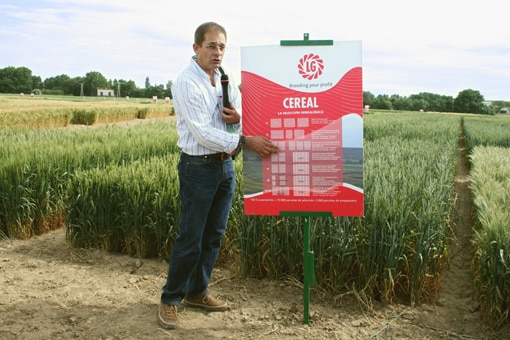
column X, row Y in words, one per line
column 206, row 187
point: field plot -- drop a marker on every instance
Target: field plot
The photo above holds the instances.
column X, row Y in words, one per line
column 54, row 111
column 114, row 189
column 488, row 142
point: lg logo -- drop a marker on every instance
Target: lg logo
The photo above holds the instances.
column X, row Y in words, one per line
column 310, row 66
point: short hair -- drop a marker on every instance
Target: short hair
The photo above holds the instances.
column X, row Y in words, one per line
column 207, row 27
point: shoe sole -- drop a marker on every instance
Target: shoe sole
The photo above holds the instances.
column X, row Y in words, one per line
column 206, row 307
column 165, row 324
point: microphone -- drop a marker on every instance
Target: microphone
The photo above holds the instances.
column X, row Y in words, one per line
column 224, row 87
column 226, row 101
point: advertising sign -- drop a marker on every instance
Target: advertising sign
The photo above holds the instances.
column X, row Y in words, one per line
column 309, row 101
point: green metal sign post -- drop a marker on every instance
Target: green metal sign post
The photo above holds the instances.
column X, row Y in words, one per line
column 308, row 259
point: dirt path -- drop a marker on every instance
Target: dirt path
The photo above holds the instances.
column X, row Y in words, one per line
column 456, row 313
column 51, row 291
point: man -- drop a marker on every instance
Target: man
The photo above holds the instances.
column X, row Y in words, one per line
column 206, row 173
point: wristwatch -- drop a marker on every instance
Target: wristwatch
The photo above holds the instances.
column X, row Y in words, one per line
column 242, row 142
column 240, row 146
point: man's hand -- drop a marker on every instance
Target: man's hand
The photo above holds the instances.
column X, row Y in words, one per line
column 261, row 145
column 230, row 115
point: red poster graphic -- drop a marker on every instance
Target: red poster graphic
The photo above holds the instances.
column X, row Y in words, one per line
column 314, row 171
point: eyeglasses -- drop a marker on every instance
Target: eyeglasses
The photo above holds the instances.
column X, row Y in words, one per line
column 214, row 47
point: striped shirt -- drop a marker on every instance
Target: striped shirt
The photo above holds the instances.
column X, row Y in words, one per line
column 198, row 104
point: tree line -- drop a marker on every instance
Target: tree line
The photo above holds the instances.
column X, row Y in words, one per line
column 21, row 80
column 467, row 101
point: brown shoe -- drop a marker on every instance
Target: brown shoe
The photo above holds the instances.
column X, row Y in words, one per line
column 167, row 316
column 206, row 302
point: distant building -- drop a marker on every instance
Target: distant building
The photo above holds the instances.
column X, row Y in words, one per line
column 105, row 92
column 504, row 110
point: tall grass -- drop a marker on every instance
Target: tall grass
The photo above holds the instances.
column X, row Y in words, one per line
column 35, row 166
column 487, row 130
column 399, row 248
column 131, row 208
column 490, row 183
column 488, row 141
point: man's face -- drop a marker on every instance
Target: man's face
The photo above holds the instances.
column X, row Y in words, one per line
column 210, row 52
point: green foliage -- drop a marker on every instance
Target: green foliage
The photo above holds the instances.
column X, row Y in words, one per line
column 85, row 117
column 93, row 81
column 56, row 83
column 127, row 88
column 63, row 84
column 16, row 80
column 470, row 101
column 490, row 181
column 432, row 102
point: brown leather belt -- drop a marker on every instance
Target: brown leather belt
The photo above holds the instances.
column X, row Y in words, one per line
column 219, row 155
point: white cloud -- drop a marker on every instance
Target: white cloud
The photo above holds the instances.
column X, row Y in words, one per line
column 436, row 46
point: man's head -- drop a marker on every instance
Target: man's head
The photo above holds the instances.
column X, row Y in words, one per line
column 208, row 27
column 209, row 46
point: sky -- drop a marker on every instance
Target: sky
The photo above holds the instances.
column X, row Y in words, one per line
column 408, row 47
